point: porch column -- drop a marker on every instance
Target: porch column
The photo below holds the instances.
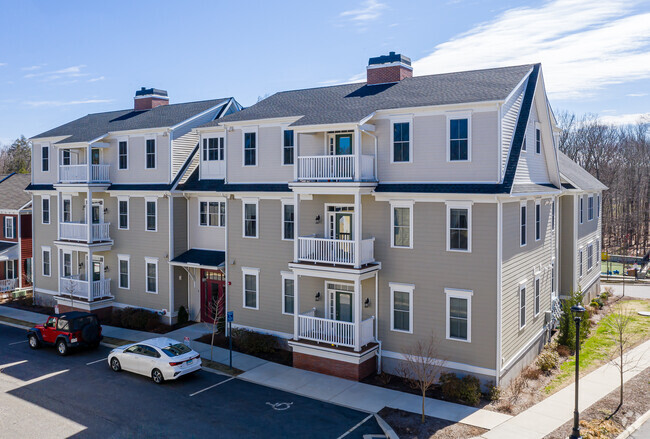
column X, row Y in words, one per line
column 296, row 225
column 58, row 265
column 89, row 277
column 296, row 307
column 357, row 230
column 59, row 212
column 89, row 161
column 89, row 215
column 357, row 314
column 357, row 154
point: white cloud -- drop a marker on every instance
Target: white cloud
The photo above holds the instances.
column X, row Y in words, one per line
column 626, row 119
column 2, row 64
column 66, row 103
column 31, row 68
column 100, row 78
column 583, row 45
column 370, row 10
column 66, row 73
column 636, row 95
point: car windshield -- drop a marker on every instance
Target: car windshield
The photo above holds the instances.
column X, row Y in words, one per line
column 176, row 349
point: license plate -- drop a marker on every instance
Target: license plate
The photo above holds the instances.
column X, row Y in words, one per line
column 73, row 340
column 190, row 362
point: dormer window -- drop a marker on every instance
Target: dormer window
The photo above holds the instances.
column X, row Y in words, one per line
column 213, row 149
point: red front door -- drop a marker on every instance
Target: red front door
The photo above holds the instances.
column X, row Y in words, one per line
column 213, row 299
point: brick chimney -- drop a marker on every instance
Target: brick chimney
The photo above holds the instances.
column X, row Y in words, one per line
column 389, row 68
column 148, row 98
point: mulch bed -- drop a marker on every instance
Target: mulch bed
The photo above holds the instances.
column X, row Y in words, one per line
column 593, row 420
column 279, row 355
column 26, row 304
column 409, row 426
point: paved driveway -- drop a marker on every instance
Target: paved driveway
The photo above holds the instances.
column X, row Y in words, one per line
column 640, row 291
column 79, row 396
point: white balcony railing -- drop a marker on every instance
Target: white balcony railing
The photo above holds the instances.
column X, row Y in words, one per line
column 7, row 285
column 79, row 232
column 334, row 251
column 333, row 331
column 83, row 173
column 334, row 167
column 86, row 290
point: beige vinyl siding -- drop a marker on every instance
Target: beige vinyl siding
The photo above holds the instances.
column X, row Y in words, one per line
column 182, row 147
column 38, row 176
column 180, row 225
column 136, row 172
column 588, row 228
column 269, row 157
column 510, row 113
column 45, row 235
column 532, row 167
column 567, row 220
column 522, row 263
column 210, row 238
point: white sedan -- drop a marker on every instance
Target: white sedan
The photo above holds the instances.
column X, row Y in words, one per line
column 160, row 358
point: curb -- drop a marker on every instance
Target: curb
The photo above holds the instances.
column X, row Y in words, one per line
column 388, row 430
column 635, row 426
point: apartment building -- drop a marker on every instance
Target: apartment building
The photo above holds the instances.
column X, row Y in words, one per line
column 103, row 191
column 16, row 234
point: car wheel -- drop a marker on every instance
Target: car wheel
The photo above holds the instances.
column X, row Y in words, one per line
column 157, row 376
column 33, row 341
column 62, row 347
column 115, row 364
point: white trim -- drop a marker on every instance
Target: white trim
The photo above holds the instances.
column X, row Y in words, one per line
column 538, row 222
column 219, row 201
column 49, row 209
column 459, row 294
column 251, row 272
column 128, row 208
column 13, row 227
column 590, row 209
column 590, row 246
column 288, row 275
column 126, row 140
column 284, row 128
column 248, row 130
column 522, row 286
column 402, row 288
column 46, row 249
column 448, row 364
column 459, row 205
column 149, row 260
column 146, row 201
column 581, row 263
column 64, row 198
column 126, row 258
column 408, row 118
column 401, row 203
column 538, row 128
column 155, row 149
column 49, row 158
column 524, row 204
column 456, row 115
column 580, row 209
column 254, row 201
column 287, row 202
column 537, row 296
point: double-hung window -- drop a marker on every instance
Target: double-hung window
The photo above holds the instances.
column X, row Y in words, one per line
column 67, row 209
column 288, row 221
column 522, row 305
column 67, row 264
column 580, row 264
column 538, row 221
column 123, row 213
column 401, row 307
column 538, row 140
column 46, row 254
column 65, row 157
column 402, row 224
column 598, row 207
column 590, row 207
column 537, row 295
column 250, row 149
column 151, row 275
column 45, row 209
column 250, row 280
column 9, row 227
column 151, row 216
column 122, row 155
column 459, row 314
column 288, row 292
column 150, row 153
column 124, row 262
column 553, row 214
column 401, row 142
column 213, row 149
column 10, row 269
column 522, row 222
column 287, row 147
column 250, row 218
column 212, row 213
column 581, row 209
column 459, row 139
column 590, row 257
column 45, row 158
column 459, row 224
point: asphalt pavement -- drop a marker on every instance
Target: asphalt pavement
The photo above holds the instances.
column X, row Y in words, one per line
column 79, row 396
column 639, row 291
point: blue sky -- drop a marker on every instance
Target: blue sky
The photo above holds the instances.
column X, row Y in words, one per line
column 62, row 60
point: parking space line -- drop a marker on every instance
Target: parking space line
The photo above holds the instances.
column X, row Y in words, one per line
column 96, row 361
column 18, row 342
column 2, row 366
column 355, row 427
column 214, row 385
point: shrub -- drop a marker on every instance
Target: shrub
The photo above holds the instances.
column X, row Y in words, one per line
column 493, row 392
column 517, row 387
column 254, row 343
column 384, row 378
column 547, row 360
column 466, row 389
column 183, row 317
column 505, row 407
column 531, row 373
column 604, row 296
column 562, row 350
column 566, row 326
column 134, row 318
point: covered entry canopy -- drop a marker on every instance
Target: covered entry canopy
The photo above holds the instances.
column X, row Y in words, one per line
column 8, row 251
column 197, row 258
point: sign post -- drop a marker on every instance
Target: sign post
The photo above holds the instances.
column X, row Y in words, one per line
column 230, row 319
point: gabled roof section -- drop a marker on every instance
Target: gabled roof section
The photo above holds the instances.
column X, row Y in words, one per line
column 577, row 176
column 12, row 191
column 96, row 125
column 350, row 103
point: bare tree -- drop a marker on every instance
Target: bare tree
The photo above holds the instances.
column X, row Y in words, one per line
column 422, row 365
column 619, row 331
column 216, row 307
column 70, row 290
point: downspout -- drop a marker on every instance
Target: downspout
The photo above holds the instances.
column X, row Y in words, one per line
column 187, row 226
column 170, row 256
column 377, row 322
column 499, row 287
column 20, row 251
column 226, row 264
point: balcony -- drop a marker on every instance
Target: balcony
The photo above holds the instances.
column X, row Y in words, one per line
column 84, row 173
column 335, row 251
column 82, row 289
column 329, row 168
column 79, row 232
column 7, row 285
column 334, row 332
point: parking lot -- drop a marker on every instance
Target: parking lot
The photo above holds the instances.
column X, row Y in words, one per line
column 42, row 393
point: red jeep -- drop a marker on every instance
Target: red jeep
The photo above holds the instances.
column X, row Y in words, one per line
column 67, row 330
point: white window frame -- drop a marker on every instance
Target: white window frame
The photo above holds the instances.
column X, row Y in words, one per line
column 220, row 202
column 126, row 258
column 538, row 129
column 537, row 299
column 65, row 198
column 205, row 147
column 553, row 275
column 287, row 202
column 581, row 208
column 12, row 264
column 256, row 202
column 282, row 146
column 126, row 140
column 128, row 215
column 590, row 208
column 455, row 116
column 46, row 249
column 9, row 220
column 43, row 161
column 243, row 147
column 522, row 286
column 590, row 263
column 401, row 119
column 62, row 267
column 538, row 220
column 523, row 204
column 402, row 288
column 460, row 205
column 49, row 209
column 458, row 294
column 155, row 152
column 580, row 263
column 148, row 200
column 287, row 275
column 405, row 204
column 149, row 260
column 598, row 207
column 251, row 272
column 553, row 214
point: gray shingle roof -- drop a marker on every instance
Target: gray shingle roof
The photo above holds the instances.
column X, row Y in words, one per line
column 12, row 191
column 575, row 173
column 352, row 102
column 92, row 126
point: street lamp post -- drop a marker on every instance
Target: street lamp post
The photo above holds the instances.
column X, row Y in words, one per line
column 578, row 311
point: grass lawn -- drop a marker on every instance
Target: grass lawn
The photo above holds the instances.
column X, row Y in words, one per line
column 596, row 350
column 613, row 266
